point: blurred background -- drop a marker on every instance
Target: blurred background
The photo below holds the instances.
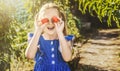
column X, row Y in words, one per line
column 95, row 24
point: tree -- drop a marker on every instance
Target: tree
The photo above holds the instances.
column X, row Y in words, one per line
column 5, row 35
column 105, row 10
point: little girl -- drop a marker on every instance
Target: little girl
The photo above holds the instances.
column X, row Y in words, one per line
column 49, row 45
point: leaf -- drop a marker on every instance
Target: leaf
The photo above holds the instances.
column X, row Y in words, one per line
column 99, row 10
column 85, row 6
column 90, row 7
column 80, row 5
column 103, row 12
column 109, row 18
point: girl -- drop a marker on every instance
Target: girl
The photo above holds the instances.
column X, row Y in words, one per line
column 49, row 46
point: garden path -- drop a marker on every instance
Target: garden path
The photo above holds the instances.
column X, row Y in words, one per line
column 101, row 52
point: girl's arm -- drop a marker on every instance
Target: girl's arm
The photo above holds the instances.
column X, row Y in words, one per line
column 65, row 47
column 32, row 46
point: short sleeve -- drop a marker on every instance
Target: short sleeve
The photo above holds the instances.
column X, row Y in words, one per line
column 30, row 35
column 69, row 37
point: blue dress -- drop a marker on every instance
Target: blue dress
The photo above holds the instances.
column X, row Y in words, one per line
column 48, row 56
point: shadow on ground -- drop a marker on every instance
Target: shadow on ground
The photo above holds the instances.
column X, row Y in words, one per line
column 75, row 66
column 110, row 38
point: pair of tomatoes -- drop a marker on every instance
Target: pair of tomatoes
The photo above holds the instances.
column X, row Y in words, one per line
column 54, row 20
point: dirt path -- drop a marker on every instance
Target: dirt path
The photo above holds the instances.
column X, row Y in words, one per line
column 101, row 52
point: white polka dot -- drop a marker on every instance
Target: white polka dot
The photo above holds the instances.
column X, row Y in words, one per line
column 52, row 49
column 52, row 55
column 53, row 62
column 51, row 42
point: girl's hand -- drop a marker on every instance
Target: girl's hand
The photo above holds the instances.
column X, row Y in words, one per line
column 40, row 24
column 59, row 25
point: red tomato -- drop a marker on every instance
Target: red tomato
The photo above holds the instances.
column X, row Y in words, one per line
column 45, row 20
column 55, row 19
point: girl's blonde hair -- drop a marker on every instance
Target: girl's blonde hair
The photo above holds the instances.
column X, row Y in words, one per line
column 61, row 14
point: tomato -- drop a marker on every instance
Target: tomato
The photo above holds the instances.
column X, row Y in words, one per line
column 55, row 19
column 45, row 20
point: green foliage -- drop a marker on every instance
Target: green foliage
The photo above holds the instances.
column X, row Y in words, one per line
column 5, row 36
column 33, row 6
column 19, row 44
column 14, row 26
column 103, row 8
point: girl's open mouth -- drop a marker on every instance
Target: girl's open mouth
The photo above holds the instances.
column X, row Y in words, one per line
column 50, row 28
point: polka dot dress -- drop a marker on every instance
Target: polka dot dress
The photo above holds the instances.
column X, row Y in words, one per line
column 48, row 56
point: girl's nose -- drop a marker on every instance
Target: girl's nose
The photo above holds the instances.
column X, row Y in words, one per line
column 50, row 22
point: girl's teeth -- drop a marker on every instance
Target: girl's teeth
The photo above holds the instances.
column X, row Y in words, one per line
column 51, row 28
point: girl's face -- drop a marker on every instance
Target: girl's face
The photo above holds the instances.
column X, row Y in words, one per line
column 49, row 14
